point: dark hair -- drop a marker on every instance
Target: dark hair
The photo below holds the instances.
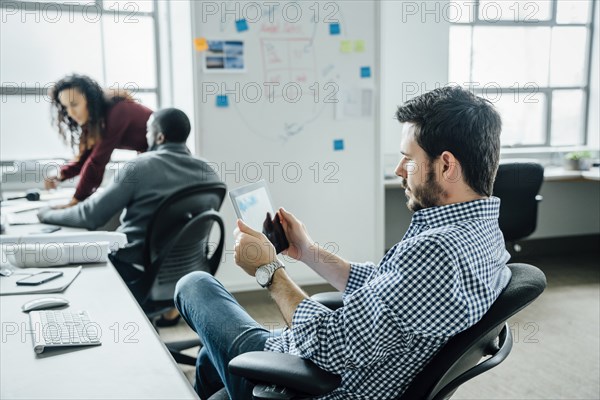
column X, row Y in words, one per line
column 173, row 123
column 98, row 102
column 455, row 120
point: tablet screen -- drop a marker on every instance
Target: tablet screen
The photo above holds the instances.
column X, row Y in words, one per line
column 251, row 204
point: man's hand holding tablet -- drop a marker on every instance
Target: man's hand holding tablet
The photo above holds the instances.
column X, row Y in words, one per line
column 252, row 203
column 273, row 230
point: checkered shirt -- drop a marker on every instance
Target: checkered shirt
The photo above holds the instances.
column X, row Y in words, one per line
column 438, row 281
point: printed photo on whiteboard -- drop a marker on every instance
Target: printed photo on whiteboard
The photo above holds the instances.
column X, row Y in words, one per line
column 224, row 56
column 353, row 103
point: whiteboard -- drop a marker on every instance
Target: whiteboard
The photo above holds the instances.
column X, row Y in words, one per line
column 300, row 112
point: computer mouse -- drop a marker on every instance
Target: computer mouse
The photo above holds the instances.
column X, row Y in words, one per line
column 44, row 303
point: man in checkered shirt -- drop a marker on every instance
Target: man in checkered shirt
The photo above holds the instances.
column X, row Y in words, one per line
column 438, row 281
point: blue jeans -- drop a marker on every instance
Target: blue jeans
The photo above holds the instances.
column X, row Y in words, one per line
column 225, row 329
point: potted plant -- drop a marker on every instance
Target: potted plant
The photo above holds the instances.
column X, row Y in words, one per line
column 578, row 160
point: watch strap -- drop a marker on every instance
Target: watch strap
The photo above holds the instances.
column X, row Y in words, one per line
column 272, row 267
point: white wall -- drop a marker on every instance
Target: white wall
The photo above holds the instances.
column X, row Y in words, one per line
column 414, row 61
column 594, row 105
column 176, row 51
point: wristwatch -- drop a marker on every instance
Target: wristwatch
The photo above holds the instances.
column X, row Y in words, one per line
column 264, row 273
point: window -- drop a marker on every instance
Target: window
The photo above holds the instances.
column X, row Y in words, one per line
column 114, row 42
column 531, row 59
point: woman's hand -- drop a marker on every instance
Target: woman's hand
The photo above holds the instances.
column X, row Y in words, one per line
column 297, row 235
column 73, row 202
column 252, row 248
column 51, row 183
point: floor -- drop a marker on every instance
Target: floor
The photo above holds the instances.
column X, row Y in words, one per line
column 556, row 352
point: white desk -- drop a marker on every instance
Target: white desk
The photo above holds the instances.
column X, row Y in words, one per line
column 570, row 206
column 561, row 174
column 551, row 174
column 131, row 363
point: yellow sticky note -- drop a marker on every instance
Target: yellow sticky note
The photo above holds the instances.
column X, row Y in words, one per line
column 200, row 44
column 346, row 46
column 359, row 46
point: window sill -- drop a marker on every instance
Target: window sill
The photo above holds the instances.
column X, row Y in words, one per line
column 544, row 150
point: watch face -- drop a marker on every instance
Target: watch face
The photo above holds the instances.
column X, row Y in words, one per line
column 262, row 276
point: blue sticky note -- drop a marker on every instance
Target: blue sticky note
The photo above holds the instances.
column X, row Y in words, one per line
column 222, row 100
column 338, row 144
column 334, row 28
column 365, row 72
column 241, row 25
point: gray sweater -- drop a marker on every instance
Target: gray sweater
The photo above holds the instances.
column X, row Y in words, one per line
column 138, row 187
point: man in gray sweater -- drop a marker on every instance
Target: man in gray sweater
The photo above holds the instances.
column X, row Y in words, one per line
column 139, row 187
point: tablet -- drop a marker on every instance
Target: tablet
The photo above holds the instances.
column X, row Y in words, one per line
column 252, row 203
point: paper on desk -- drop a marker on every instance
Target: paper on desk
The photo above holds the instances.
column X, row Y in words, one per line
column 35, row 255
column 8, row 284
column 22, row 206
column 26, row 218
column 52, row 250
column 115, row 240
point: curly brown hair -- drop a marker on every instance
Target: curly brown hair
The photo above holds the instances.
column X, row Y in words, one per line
column 98, row 102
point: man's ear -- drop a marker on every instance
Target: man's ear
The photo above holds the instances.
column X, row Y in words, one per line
column 160, row 138
column 450, row 167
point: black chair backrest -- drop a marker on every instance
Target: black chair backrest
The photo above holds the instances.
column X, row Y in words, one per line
column 177, row 239
column 517, row 185
column 463, row 351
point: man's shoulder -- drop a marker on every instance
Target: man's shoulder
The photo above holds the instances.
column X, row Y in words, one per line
column 431, row 239
column 436, row 243
column 419, row 250
column 151, row 157
column 125, row 171
column 142, row 159
column 457, row 232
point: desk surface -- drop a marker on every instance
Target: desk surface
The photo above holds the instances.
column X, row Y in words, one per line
column 132, row 362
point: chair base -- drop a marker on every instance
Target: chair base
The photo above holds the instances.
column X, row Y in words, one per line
column 274, row 392
column 220, row 395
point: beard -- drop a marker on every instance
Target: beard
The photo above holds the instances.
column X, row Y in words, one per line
column 428, row 194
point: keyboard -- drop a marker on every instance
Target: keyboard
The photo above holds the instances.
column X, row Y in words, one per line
column 64, row 328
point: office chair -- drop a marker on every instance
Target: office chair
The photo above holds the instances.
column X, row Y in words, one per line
column 284, row 376
column 517, row 185
column 177, row 243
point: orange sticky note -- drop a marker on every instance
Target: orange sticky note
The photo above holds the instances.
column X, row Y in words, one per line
column 200, row 44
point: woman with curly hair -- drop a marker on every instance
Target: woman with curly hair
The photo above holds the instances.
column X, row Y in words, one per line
column 94, row 122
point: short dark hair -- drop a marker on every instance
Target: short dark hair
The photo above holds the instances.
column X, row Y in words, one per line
column 454, row 119
column 173, row 123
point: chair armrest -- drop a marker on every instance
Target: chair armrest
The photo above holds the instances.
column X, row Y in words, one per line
column 285, row 370
column 331, row 300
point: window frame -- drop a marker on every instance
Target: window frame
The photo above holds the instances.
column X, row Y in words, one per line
column 548, row 90
column 27, row 91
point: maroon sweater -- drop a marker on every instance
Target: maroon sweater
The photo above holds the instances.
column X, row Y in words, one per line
column 125, row 128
